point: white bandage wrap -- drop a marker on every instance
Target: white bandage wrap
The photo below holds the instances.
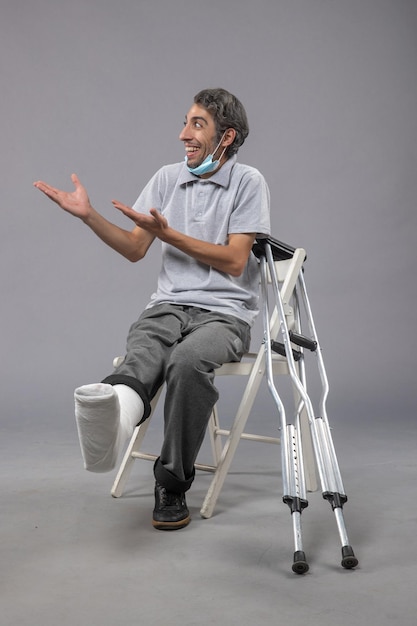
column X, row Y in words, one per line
column 106, row 416
column 131, row 410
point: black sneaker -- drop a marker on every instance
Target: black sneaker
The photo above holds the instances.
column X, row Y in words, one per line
column 170, row 512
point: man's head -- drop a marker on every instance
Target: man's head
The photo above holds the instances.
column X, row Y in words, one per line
column 216, row 125
column 227, row 112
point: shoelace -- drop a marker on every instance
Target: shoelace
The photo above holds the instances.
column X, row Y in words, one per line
column 169, row 499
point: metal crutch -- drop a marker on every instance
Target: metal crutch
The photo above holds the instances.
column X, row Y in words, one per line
column 331, row 480
column 328, row 469
column 294, row 492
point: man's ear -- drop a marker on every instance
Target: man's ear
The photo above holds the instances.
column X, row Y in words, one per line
column 229, row 137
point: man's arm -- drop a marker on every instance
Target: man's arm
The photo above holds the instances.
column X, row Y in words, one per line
column 230, row 258
column 133, row 245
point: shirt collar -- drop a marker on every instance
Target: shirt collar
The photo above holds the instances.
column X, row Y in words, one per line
column 220, row 177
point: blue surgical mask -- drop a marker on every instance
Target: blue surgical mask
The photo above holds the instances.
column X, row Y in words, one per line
column 208, row 165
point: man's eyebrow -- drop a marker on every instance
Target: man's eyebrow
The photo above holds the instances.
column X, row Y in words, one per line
column 197, row 118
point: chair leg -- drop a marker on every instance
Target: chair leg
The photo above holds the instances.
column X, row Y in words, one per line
column 128, row 459
column 232, row 442
column 215, row 437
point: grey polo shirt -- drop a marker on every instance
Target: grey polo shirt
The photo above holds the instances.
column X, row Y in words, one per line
column 235, row 199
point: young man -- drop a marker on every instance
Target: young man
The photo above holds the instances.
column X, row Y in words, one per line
column 206, row 211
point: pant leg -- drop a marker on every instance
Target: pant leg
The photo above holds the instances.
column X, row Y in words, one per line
column 149, row 344
column 211, row 340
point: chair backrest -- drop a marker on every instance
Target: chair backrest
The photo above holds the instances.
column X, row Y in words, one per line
column 287, row 272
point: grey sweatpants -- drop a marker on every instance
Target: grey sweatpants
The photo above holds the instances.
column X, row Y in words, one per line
column 181, row 346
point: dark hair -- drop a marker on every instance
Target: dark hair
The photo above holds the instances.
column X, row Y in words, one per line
column 228, row 112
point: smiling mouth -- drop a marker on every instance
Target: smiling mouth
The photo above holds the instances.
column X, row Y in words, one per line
column 193, row 156
column 190, row 150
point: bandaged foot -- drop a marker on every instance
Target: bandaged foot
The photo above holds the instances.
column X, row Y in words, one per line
column 106, row 416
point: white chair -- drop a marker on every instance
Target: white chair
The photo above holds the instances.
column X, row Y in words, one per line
column 224, row 442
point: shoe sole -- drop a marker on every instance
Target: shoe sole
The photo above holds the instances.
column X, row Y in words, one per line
column 171, row 525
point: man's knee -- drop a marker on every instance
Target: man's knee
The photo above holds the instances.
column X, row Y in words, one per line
column 185, row 361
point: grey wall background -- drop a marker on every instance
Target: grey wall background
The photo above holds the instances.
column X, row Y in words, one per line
column 101, row 88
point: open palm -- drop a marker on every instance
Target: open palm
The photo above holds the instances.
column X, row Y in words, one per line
column 76, row 202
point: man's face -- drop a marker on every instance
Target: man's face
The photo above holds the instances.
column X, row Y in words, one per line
column 199, row 135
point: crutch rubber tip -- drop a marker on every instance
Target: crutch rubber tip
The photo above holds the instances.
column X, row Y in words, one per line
column 349, row 560
column 300, row 565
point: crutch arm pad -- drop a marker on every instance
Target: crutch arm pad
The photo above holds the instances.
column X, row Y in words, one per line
column 280, row 250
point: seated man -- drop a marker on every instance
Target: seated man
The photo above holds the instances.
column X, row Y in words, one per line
column 206, row 211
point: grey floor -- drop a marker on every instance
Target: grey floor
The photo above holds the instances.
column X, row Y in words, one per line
column 73, row 555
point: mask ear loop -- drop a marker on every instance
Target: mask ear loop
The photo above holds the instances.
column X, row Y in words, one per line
column 218, row 146
column 221, row 156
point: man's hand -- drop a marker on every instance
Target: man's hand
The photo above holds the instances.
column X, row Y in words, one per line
column 154, row 223
column 77, row 202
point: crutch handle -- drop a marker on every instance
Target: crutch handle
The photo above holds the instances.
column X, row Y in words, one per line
column 303, row 341
column 279, row 348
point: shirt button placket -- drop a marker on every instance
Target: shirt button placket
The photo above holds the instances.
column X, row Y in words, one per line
column 200, row 204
